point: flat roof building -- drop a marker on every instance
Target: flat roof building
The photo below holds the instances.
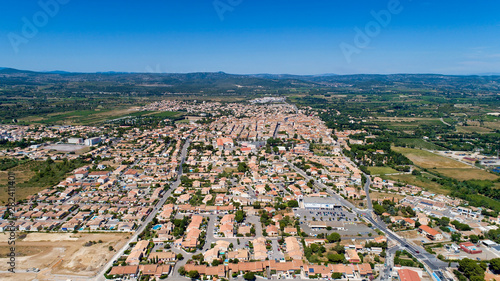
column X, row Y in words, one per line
column 320, row 203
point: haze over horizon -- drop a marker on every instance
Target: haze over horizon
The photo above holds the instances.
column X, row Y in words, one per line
column 251, row 37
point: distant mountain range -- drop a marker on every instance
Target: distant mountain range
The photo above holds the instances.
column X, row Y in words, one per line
column 260, row 75
column 221, row 82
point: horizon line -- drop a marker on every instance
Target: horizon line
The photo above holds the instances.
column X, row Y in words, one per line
column 250, row 74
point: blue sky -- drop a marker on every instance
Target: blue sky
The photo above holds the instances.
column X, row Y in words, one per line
column 251, row 36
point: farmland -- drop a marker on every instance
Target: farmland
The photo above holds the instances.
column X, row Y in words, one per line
column 429, row 160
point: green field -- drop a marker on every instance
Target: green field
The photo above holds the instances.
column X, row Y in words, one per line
column 382, row 170
column 401, row 123
column 429, row 160
column 444, row 165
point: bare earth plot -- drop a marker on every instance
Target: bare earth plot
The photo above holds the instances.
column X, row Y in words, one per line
column 443, row 165
column 60, row 254
column 381, row 195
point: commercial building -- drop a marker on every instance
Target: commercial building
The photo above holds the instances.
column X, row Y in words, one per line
column 92, row 141
column 320, row 203
column 75, row 140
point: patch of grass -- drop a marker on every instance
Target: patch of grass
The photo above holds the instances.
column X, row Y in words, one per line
column 185, row 121
column 382, row 170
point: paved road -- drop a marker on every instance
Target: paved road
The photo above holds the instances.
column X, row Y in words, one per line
column 389, row 263
column 428, row 259
column 276, row 130
column 133, row 238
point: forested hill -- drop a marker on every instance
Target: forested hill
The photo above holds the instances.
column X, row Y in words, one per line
column 13, row 80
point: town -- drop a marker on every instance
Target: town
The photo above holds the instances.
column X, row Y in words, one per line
column 240, row 190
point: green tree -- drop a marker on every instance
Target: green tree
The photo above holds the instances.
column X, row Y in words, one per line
column 193, row 274
column 455, row 237
column 495, row 265
column 474, row 238
column 182, row 271
column 239, row 216
column 249, row 276
column 292, row 204
column 378, row 209
column 336, row 275
column 333, row 237
column 336, row 258
column 470, row 268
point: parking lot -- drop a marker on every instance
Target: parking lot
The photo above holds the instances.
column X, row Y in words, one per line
column 341, row 221
column 324, row 215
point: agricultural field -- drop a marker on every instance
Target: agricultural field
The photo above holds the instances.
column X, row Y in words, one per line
column 466, row 174
column 91, row 117
column 444, row 165
column 69, row 256
column 402, row 123
column 492, row 125
column 473, row 129
column 429, row 160
column 80, row 117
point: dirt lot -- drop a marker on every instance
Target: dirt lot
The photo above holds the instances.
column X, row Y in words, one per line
column 410, row 234
column 379, row 195
column 64, row 254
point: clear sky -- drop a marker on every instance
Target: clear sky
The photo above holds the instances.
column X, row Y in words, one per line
column 252, row 36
